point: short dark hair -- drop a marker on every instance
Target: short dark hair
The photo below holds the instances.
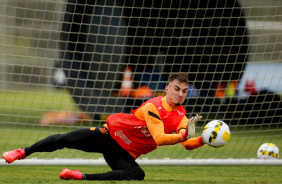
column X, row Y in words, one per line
column 181, row 77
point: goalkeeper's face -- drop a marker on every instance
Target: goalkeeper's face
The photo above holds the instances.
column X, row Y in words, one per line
column 176, row 93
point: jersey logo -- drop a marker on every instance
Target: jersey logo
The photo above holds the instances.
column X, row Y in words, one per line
column 123, row 137
column 154, row 115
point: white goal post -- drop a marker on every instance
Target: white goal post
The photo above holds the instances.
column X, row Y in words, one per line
column 78, row 59
column 200, row 162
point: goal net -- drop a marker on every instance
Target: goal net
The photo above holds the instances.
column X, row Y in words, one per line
column 68, row 64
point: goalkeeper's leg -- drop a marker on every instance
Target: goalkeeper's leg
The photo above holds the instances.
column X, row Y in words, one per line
column 94, row 139
column 122, row 164
column 89, row 140
column 124, row 168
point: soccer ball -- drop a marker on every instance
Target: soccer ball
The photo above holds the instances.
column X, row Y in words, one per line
column 268, row 151
column 216, row 133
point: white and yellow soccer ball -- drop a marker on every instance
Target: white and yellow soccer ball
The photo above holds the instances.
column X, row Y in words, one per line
column 216, row 133
column 268, row 151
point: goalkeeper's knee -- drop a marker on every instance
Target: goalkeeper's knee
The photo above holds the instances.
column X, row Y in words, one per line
column 136, row 174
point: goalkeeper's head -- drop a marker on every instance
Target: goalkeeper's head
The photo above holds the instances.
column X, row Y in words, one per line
column 177, row 89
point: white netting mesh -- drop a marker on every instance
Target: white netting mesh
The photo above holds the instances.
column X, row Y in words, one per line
column 77, row 56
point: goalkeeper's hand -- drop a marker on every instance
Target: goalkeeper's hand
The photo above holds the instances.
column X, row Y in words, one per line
column 190, row 129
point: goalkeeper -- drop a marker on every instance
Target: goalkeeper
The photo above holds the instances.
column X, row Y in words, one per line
column 127, row 136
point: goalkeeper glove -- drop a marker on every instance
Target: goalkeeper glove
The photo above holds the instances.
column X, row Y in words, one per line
column 190, row 129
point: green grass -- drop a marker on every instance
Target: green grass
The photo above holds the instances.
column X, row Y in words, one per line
column 154, row 174
column 243, row 144
column 20, row 112
column 29, row 106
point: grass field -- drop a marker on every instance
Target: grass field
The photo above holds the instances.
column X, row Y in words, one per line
column 154, row 174
column 20, row 112
column 241, row 145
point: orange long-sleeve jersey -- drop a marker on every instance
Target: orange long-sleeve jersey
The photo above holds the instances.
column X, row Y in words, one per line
column 149, row 126
column 156, row 127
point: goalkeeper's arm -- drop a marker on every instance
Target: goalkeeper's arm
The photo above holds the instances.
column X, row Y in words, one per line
column 156, row 126
column 191, row 143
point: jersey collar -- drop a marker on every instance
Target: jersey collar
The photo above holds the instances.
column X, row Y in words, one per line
column 166, row 106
